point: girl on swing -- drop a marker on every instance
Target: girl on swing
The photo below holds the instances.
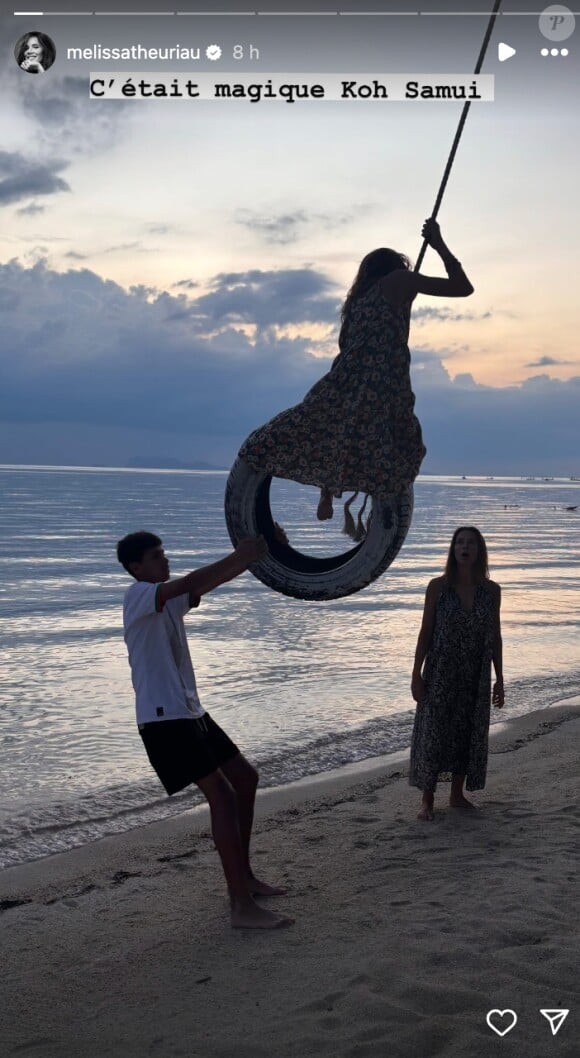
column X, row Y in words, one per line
column 355, row 430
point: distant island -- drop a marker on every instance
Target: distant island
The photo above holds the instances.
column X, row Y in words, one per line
column 168, row 463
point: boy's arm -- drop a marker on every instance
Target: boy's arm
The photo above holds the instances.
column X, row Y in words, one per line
column 200, row 581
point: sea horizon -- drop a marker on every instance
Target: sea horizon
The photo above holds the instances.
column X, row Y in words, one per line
column 215, row 469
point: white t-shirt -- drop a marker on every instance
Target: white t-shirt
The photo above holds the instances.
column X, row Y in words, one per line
column 161, row 668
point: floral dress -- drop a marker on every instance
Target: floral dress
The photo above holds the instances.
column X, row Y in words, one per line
column 450, row 733
column 355, row 430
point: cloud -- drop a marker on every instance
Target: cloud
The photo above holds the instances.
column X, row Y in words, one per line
column 549, row 361
column 425, row 314
column 528, row 428
column 187, row 284
column 279, row 230
column 9, row 299
column 466, row 381
column 31, row 211
column 158, row 229
column 59, row 106
column 123, row 247
column 57, row 103
column 79, row 349
column 284, row 228
column 289, row 296
column 21, row 178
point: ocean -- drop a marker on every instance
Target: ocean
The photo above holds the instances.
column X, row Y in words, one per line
column 302, row 687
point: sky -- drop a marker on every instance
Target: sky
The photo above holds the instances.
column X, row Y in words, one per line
column 171, row 272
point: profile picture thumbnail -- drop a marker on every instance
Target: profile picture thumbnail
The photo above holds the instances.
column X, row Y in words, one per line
column 35, row 52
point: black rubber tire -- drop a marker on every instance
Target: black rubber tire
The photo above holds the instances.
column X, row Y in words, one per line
column 247, row 511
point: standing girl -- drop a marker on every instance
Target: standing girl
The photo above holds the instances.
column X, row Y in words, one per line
column 460, row 637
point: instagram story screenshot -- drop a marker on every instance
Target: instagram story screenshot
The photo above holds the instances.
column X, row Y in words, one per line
column 289, row 529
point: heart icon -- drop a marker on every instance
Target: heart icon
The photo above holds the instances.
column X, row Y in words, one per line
column 505, row 1021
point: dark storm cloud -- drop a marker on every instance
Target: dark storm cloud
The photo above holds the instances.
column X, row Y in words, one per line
column 21, row 178
column 83, row 349
column 79, row 349
column 517, row 429
column 271, row 298
column 9, row 298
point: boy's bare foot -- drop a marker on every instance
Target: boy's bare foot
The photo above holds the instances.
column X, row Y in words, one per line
column 252, row 916
column 258, row 888
column 324, row 510
column 459, row 801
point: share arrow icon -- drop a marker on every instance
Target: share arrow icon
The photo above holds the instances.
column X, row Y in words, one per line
column 556, row 1019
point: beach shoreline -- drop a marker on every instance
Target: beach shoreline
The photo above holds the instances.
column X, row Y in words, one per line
column 406, row 933
column 114, row 849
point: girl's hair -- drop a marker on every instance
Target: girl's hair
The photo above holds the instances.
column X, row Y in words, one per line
column 481, row 568
column 376, row 264
column 48, row 49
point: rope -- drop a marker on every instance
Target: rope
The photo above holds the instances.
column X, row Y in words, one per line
column 357, row 532
column 462, row 121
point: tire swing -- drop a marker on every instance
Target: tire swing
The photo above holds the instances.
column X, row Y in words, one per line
column 247, row 506
column 247, row 498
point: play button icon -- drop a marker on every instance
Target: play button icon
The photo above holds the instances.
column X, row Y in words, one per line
column 505, row 51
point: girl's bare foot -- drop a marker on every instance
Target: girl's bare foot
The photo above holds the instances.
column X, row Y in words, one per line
column 252, row 916
column 426, row 813
column 324, row 510
column 459, row 801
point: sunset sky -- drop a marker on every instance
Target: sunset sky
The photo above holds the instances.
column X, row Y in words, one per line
column 171, row 273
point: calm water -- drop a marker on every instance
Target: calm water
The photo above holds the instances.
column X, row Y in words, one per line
column 303, row 687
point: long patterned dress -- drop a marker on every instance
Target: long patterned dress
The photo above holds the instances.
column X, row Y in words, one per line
column 450, row 733
column 355, row 430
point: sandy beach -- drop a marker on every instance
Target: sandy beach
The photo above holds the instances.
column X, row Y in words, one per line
column 406, row 933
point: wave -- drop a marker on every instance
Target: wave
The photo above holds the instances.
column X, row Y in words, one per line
column 64, row 825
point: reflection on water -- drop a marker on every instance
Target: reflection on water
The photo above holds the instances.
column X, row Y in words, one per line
column 279, row 673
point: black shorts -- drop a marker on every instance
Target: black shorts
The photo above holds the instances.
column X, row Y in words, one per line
column 184, row 751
